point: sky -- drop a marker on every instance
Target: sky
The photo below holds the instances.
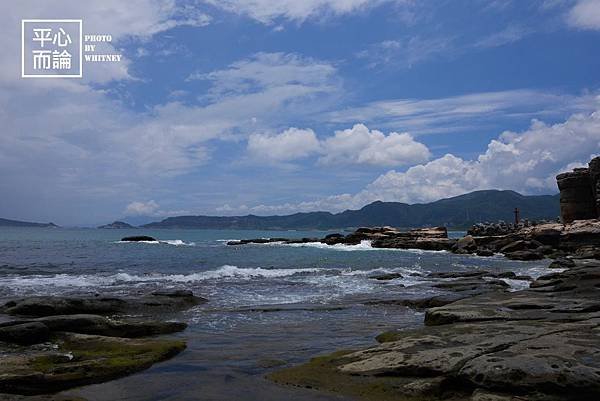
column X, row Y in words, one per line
column 235, row 107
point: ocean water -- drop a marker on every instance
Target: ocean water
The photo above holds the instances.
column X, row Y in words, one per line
column 268, row 304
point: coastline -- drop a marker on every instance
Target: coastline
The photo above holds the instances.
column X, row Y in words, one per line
column 542, row 343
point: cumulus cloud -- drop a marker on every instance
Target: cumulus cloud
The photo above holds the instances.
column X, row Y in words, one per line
column 526, row 162
column 267, row 11
column 585, row 15
column 291, row 144
column 359, row 145
column 70, row 139
column 356, row 145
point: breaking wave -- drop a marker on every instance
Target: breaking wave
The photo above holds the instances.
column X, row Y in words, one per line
column 175, row 242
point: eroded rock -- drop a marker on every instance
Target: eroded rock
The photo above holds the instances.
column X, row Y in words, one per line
column 57, row 305
column 79, row 359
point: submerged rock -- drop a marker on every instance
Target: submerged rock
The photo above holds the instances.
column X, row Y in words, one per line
column 386, row 276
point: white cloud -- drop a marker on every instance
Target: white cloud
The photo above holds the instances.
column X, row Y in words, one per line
column 141, row 208
column 526, row 162
column 264, row 71
column 291, row 144
column 70, row 141
column 267, row 11
column 511, row 34
column 405, row 52
column 585, row 15
column 135, row 19
column 422, row 116
column 150, row 208
column 359, row 145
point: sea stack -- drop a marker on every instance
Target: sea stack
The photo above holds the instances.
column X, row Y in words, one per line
column 580, row 192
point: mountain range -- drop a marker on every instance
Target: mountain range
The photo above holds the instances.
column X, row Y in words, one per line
column 456, row 212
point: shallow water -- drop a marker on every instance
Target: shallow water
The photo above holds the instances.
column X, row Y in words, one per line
column 274, row 302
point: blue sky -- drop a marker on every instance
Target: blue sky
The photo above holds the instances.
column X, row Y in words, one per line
column 272, row 107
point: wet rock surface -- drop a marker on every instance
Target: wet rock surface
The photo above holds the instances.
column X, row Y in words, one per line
column 78, row 359
column 540, row 343
column 54, row 346
column 55, row 305
column 457, row 285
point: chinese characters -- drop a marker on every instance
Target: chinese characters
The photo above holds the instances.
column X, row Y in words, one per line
column 48, row 59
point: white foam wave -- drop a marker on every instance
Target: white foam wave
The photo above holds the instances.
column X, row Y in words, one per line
column 226, row 272
column 175, row 242
column 364, row 245
column 178, row 242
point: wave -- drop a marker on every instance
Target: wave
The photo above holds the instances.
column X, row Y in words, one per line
column 178, row 242
column 175, row 242
column 364, row 245
column 225, row 272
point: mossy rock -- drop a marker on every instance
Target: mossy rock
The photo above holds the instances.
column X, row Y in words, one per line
column 80, row 359
column 321, row 373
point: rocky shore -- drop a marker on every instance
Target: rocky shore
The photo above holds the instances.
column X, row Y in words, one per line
column 55, row 343
column 542, row 343
column 528, row 242
column 481, row 342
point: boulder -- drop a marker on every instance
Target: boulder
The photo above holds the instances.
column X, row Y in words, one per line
column 465, row 244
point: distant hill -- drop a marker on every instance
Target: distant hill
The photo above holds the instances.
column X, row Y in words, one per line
column 459, row 211
column 117, row 225
column 16, row 223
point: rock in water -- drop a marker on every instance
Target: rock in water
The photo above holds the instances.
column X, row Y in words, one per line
column 80, row 359
column 56, row 305
column 139, row 238
column 538, row 344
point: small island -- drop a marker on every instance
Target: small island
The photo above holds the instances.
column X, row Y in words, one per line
column 117, row 225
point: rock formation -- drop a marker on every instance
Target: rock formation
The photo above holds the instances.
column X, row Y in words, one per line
column 537, row 344
column 580, row 192
column 61, row 342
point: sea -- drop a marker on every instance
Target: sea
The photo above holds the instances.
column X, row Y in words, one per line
column 269, row 305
